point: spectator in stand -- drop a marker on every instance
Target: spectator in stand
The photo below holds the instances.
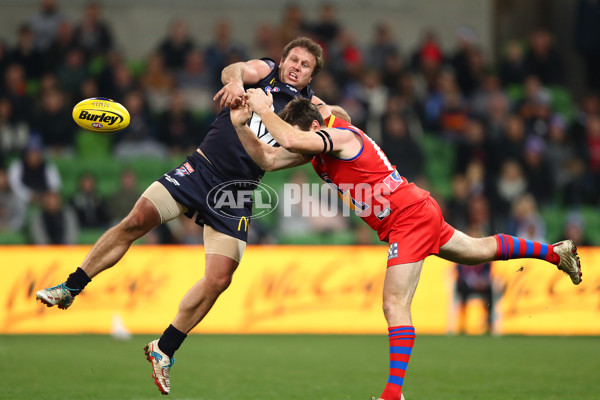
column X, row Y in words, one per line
column 122, row 83
column 54, row 223
column 222, row 49
column 393, row 72
column 473, row 146
column 157, row 82
column 488, row 88
column 292, row 24
column 139, row 138
column 382, row 46
column 587, row 40
column 15, row 90
column 93, row 34
column 457, row 206
column 324, row 84
column 513, row 69
column 477, row 178
column 27, row 54
column 121, row 201
column 512, row 142
column 575, row 228
column 590, row 105
column 55, row 123
column 540, row 180
column 536, row 108
column 401, row 148
column 403, row 105
column 266, row 43
column 446, row 108
column 44, row 24
column 346, row 60
column 525, row 219
column 14, row 134
column 31, row 175
column 508, row 187
column 566, row 165
column 12, row 208
column 89, row 206
column 496, row 115
column 476, row 279
column 4, row 61
column 87, row 89
column 177, row 129
column 427, row 62
column 327, row 26
column 47, row 84
column 64, row 42
column 543, row 60
column 371, row 92
column 467, row 61
column 195, row 83
column 177, row 45
column 72, row 71
column 592, row 157
column 195, row 74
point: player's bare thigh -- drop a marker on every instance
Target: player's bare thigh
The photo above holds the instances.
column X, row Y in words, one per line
column 218, row 243
column 165, row 204
column 464, row 249
column 215, row 243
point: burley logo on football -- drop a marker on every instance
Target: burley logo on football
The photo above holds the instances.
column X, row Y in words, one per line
column 230, row 196
column 99, row 118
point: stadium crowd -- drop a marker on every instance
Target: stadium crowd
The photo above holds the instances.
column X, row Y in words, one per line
column 503, row 146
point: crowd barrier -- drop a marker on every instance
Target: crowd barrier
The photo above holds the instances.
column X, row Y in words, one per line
column 286, row 289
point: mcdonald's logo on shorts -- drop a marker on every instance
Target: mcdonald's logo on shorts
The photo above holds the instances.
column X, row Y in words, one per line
column 245, row 221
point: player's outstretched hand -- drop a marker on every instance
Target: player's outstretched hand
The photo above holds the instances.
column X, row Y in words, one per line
column 240, row 115
column 232, row 95
column 258, row 100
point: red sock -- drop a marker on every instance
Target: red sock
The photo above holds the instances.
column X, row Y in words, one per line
column 402, row 340
column 510, row 247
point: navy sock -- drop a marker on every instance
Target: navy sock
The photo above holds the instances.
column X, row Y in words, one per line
column 77, row 281
column 170, row 340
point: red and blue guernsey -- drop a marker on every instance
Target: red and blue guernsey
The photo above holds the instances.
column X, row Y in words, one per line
column 368, row 183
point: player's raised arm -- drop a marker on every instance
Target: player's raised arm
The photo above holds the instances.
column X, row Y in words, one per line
column 268, row 158
column 235, row 75
column 313, row 138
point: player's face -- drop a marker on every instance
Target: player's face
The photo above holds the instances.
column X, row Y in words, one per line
column 297, row 68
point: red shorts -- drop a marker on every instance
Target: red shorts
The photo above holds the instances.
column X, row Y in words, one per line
column 419, row 230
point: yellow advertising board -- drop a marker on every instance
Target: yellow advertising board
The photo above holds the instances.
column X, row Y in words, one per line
column 281, row 289
column 537, row 299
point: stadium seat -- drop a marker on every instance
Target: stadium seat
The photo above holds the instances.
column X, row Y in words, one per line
column 89, row 235
column 15, row 238
column 91, row 145
column 439, row 163
column 591, row 218
column 554, row 218
column 562, row 102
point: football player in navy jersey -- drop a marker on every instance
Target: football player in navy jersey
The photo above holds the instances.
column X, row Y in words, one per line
column 220, row 163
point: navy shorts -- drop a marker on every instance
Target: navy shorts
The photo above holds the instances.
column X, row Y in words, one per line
column 224, row 205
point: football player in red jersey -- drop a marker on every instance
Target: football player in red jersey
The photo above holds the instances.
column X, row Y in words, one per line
column 403, row 215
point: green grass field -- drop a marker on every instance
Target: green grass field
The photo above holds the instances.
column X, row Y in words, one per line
column 264, row 367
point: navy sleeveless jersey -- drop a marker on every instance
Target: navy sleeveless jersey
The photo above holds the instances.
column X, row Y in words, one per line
column 222, row 146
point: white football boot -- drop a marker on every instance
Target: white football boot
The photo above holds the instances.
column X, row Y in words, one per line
column 569, row 260
column 59, row 295
column 161, row 365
